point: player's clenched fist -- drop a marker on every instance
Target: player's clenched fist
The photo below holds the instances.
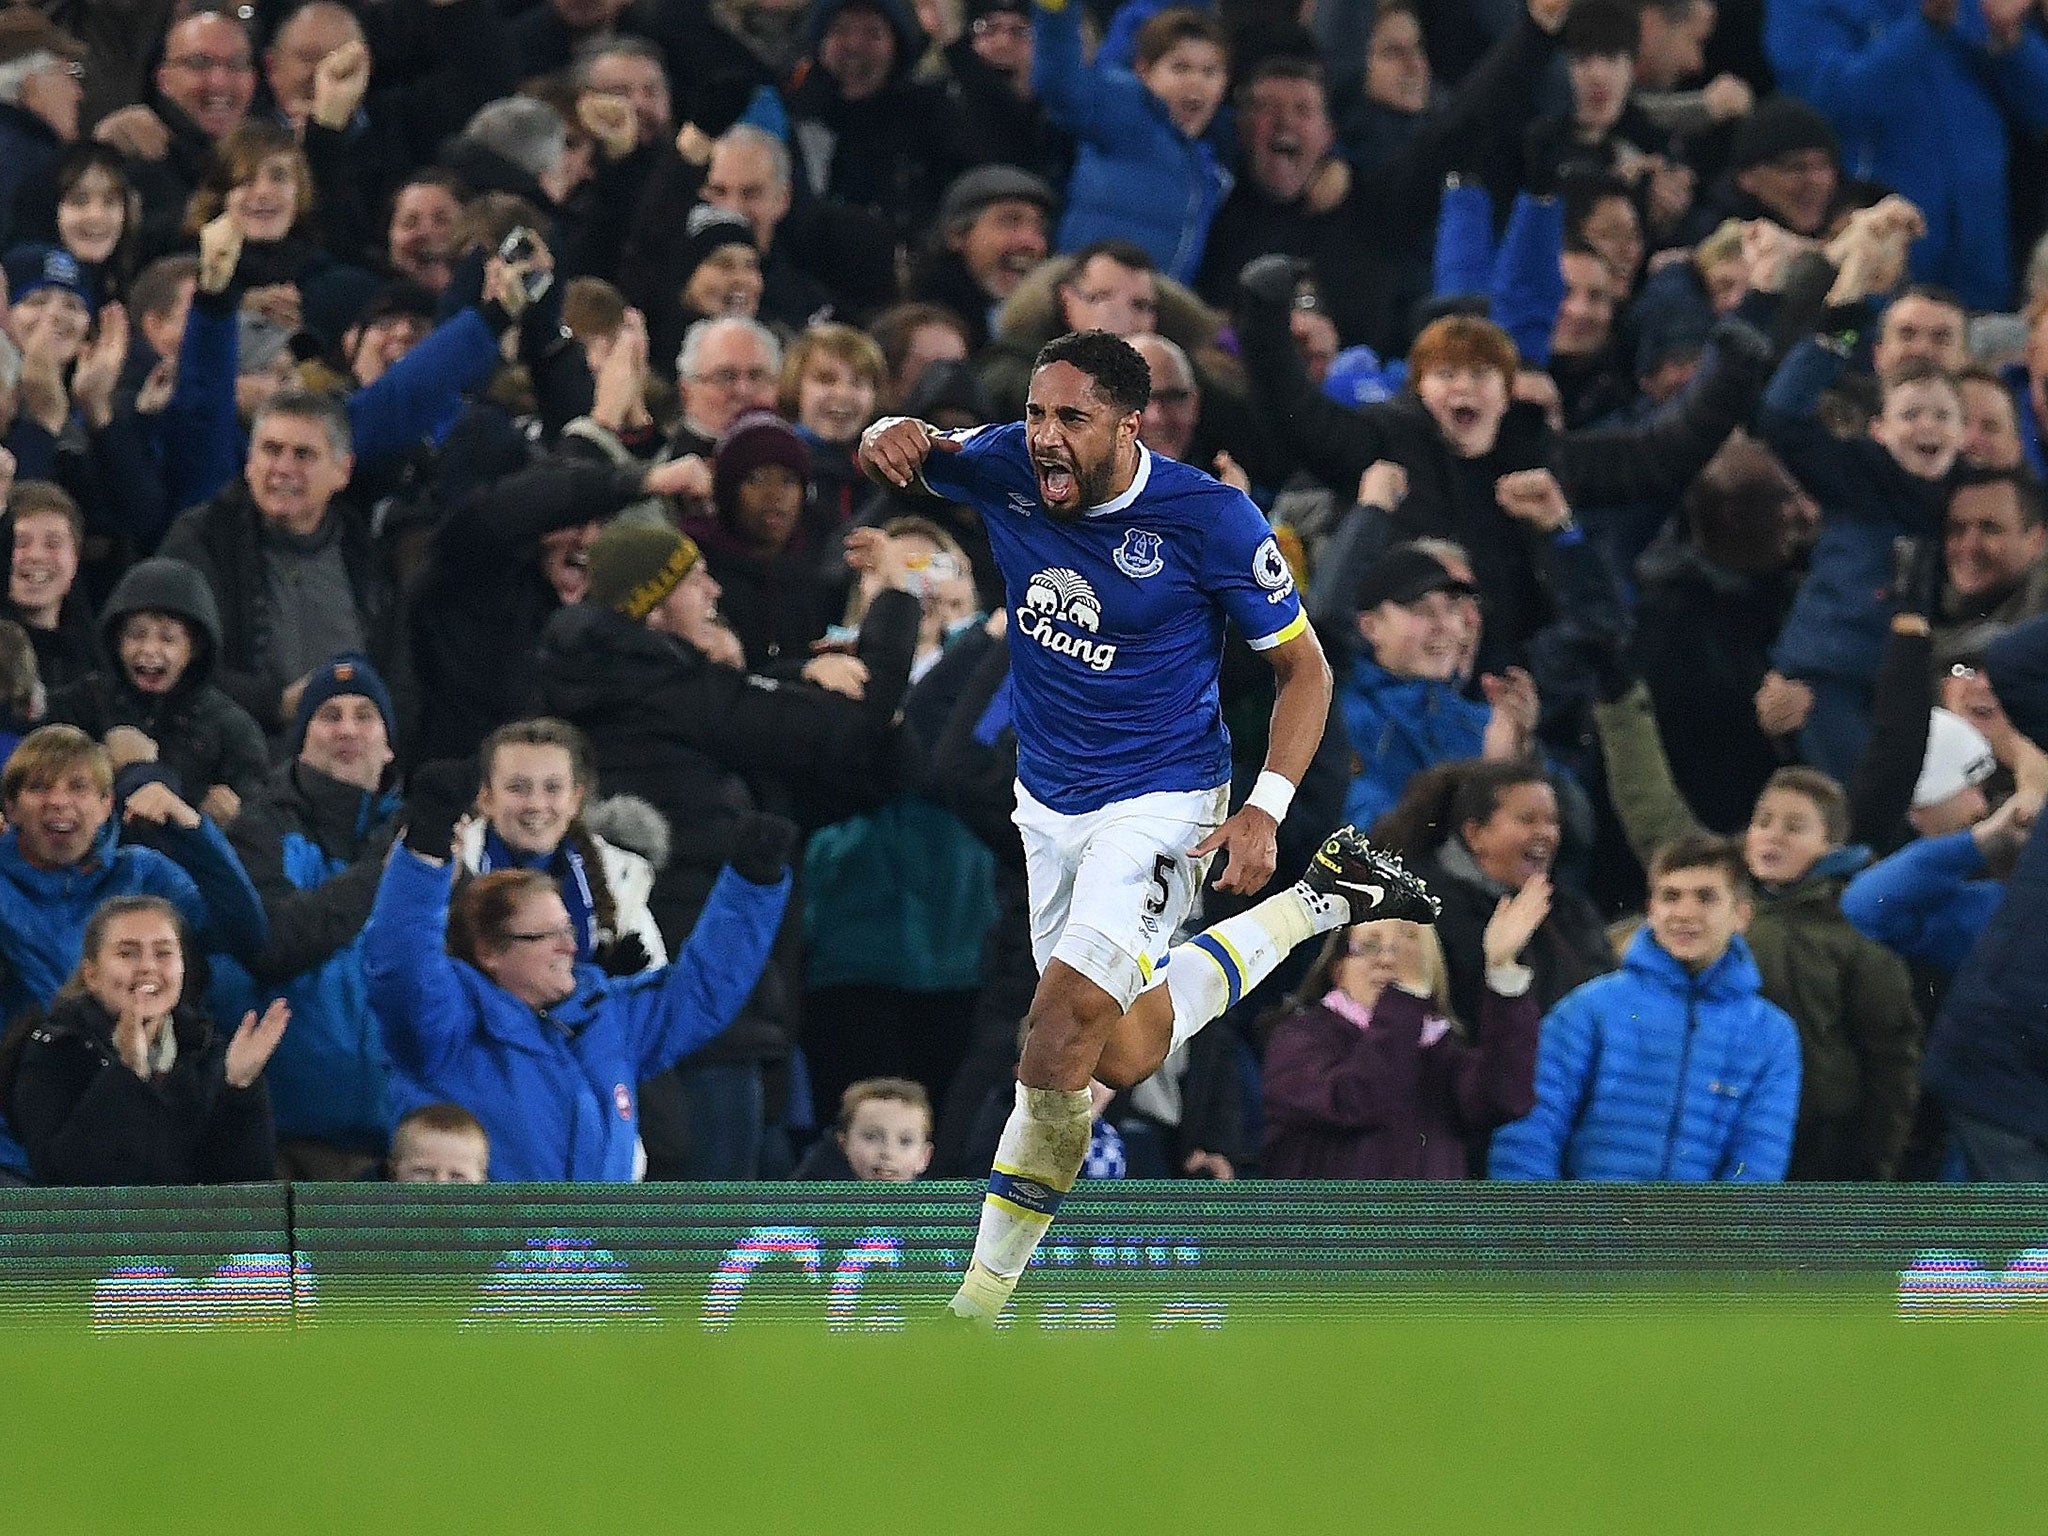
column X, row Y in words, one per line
column 895, row 448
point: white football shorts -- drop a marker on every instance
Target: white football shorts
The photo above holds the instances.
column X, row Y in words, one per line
column 1110, row 887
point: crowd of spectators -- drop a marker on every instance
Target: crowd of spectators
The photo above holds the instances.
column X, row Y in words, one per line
column 468, row 715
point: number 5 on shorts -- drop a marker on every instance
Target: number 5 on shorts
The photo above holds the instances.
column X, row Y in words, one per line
column 1162, row 889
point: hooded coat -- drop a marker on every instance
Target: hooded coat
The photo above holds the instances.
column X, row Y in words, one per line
column 203, row 737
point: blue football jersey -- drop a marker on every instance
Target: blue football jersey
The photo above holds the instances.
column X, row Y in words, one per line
column 1116, row 618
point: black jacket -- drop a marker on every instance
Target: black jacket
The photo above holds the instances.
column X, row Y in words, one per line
column 1570, row 946
column 1703, row 644
column 223, row 540
column 1453, row 498
column 203, row 737
column 477, row 610
column 1371, row 251
column 706, row 745
column 308, row 926
column 86, row 1118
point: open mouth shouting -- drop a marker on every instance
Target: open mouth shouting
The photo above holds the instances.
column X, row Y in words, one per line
column 1058, row 485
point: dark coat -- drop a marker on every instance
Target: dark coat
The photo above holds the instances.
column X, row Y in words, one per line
column 705, row 745
column 1987, row 1054
column 223, row 540
column 477, row 610
column 1371, row 252
column 1348, row 1103
column 777, row 604
column 203, row 737
column 1703, row 644
column 1569, row 948
column 1453, row 498
column 86, row 1118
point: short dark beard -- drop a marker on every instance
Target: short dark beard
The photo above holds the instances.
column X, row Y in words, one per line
column 1092, row 484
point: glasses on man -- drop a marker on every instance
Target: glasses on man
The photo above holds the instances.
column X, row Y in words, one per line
column 733, row 378
column 1173, row 395
column 1962, row 670
column 544, row 936
column 1002, row 26
column 210, row 63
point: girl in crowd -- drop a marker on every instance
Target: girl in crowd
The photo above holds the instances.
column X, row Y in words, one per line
column 123, row 1081
column 537, row 779
column 1479, row 831
column 1371, row 1076
column 831, row 378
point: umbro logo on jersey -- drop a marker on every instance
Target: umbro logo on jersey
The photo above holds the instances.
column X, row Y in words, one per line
column 1058, row 602
column 1021, row 504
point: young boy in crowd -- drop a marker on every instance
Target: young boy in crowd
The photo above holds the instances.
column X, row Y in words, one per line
column 1872, row 490
column 440, row 1144
column 1673, row 1067
column 161, row 631
column 1851, row 998
column 884, row 1134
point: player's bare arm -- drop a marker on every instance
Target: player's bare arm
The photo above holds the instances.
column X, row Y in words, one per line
column 894, row 449
column 1250, row 838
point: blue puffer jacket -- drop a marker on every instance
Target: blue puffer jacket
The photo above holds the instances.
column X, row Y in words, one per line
column 43, row 912
column 1398, row 727
column 558, row 1092
column 1651, row 1073
column 1138, row 178
column 1923, row 110
column 1987, row 1053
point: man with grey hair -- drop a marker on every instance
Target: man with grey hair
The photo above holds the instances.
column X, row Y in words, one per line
column 40, row 91
column 515, row 144
column 728, row 366
column 749, row 174
column 291, row 562
column 1168, row 425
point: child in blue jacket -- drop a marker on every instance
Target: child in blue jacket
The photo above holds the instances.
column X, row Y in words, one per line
column 1893, row 484
column 1149, row 169
column 1673, row 1068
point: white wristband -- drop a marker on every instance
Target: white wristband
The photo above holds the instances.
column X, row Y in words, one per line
column 1273, row 794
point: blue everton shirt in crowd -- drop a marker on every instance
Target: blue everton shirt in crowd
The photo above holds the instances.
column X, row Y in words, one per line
column 1116, row 619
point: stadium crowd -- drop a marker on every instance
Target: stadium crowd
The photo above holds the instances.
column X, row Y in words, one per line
column 468, row 712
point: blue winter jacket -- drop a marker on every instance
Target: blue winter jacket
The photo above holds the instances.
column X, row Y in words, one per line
column 1652, row 1073
column 1987, row 1053
column 1923, row 110
column 314, row 848
column 43, row 912
column 1838, row 622
column 1138, row 177
column 1398, row 727
column 558, row 1092
column 1926, row 901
